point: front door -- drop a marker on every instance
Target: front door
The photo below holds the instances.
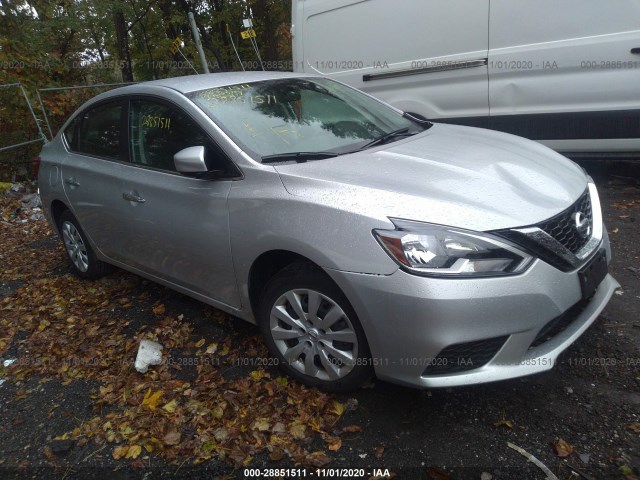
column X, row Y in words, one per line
column 178, row 226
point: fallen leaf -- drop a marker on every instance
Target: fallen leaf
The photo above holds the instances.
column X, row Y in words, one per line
column 171, row 406
column 120, row 452
column 218, row 411
column 338, row 409
column 298, row 431
column 352, row 429
column 150, row 400
column 562, row 448
column 317, row 459
column 634, row 427
column 504, row 423
column 49, row 454
column 276, row 454
column 334, row 444
column 159, row 309
column 437, row 474
column 279, row 428
column 134, row 451
column 261, row 424
column 172, row 438
column 106, row 390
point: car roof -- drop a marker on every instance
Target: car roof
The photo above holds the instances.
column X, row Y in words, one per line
column 192, row 83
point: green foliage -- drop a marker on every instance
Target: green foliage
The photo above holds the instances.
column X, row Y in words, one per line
column 74, row 42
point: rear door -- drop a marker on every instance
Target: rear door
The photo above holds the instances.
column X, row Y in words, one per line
column 93, row 171
column 564, row 72
column 422, row 56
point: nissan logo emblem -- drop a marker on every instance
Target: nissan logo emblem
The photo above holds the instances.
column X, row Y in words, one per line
column 583, row 224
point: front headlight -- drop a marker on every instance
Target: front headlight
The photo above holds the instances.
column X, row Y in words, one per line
column 437, row 250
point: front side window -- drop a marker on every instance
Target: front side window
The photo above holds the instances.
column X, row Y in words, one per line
column 99, row 133
column 158, row 132
column 277, row 117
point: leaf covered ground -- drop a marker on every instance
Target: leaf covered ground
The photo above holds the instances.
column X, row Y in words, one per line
column 73, row 406
column 214, row 397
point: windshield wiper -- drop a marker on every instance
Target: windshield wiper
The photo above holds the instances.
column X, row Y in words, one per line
column 419, row 119
column 299, row 157
column 401, row 132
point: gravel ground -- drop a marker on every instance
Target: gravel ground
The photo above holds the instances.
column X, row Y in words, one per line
column 590, row 400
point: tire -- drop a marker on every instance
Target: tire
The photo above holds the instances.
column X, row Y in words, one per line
column 307, row 345
column 83, row 259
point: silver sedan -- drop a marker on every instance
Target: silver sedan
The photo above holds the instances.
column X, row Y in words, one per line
column 359, row 238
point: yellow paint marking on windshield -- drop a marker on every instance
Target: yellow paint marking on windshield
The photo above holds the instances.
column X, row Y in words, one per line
column 236, row 94
column 283, row 131
column 224, row 94
column 252, row 131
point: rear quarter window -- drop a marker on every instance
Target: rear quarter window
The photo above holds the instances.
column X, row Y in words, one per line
column 69, row 134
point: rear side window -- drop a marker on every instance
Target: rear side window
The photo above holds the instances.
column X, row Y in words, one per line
column 99, row 133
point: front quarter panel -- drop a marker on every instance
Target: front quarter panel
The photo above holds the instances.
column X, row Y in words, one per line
column 265, row 217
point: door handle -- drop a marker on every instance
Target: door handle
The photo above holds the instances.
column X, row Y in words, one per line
column 635, row 51
column 130, row 197
column 72, row 182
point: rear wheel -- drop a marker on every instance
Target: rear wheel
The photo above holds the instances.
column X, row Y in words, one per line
column 312, row 329
column 83, row 258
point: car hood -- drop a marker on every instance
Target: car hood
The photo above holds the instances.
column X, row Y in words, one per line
column 451, row 175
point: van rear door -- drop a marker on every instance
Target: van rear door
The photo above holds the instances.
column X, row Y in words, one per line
column 422, row 56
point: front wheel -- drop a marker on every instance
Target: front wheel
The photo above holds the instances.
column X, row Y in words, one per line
column 312, row 329
column 83, row 258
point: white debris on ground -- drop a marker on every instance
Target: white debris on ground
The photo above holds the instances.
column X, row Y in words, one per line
column 31, row 202
column 149, row 353
column 7, row 363
column 31, row 208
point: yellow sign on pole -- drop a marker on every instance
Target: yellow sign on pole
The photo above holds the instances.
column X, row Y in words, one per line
column 248, row 33
column 177, row 43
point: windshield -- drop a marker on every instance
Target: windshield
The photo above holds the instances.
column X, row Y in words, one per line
column 301, row 115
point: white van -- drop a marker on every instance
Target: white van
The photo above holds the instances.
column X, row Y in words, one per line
column 564, row 72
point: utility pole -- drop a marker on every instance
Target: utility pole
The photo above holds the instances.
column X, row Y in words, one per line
column 196, row 38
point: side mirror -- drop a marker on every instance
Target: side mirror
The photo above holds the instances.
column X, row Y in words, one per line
column 190, row 161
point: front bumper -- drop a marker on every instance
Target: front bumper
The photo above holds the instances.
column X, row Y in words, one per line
column 409, row 320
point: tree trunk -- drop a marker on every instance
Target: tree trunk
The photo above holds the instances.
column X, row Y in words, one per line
column 268, row 35
column 122, row 41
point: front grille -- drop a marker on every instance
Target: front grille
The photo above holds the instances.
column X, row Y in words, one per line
column 462, row 357
column 563, row 228
column 558, row 324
